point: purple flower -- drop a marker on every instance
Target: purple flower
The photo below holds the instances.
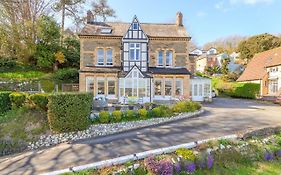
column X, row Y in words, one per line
column 268, row 156
column 166, row 167
column 178, row 167
column 190, row 167
column 210, row 161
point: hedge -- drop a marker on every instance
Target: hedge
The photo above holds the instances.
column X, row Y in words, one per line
column 18, row 99
column 5, row 103
column 69, row 112
column 244, row 90
column 39, row 100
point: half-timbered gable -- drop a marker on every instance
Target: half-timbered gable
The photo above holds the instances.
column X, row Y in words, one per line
column 135, row 47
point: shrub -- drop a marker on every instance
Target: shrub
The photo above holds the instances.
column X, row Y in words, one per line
column 70, row 75
column 69, row 111
column 117, row 116
column 18, row 99
column 143, row 114
column 165, row 111
column 185, row 154
column 5, row 103
column 179, row 107
column 40, row 100
column 156, row 112
column 130, row 114
column 104, row 117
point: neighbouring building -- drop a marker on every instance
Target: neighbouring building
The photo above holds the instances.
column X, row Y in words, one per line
column 141, row 62
column 265, row 69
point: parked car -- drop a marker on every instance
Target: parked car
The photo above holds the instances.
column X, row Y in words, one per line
column 214, row 95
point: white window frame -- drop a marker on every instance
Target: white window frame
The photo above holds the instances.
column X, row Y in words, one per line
column 181, row 87
column 99, row 57
column 161, row 87
column 171, row 81
column 109, row 63
column 88, row 81
column 136, row 51
column 158, row 56
column 100, row 80
column 170, row 59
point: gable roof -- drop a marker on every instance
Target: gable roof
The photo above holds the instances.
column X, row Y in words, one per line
column 120, row 28
column 256, row 68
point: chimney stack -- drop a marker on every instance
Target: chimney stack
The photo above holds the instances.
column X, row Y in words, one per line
column 89, row 16
column 179, row 19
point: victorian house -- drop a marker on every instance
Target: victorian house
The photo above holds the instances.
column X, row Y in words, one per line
column 135, row 61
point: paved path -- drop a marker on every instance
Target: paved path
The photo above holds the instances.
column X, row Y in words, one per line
column 223, row 117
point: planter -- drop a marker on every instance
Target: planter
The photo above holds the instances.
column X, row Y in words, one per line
column 131, row 107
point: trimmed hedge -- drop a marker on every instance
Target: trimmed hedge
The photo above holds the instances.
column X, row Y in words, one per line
column 40, row 100
column 243, row 90
column 5, row 103
column 104, row 117
column 69, row 112
column 18, row 99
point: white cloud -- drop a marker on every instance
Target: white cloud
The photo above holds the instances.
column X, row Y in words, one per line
column 250, row 2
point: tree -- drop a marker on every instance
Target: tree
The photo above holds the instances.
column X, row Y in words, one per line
column 213, row 70
column 256, row 44
column 224, row 67
column 100, row 9
column 68, row 8
column 71, row 51
column 18, row 21
column 48, row 52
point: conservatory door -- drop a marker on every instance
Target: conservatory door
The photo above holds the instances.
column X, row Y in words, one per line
column 134, row 88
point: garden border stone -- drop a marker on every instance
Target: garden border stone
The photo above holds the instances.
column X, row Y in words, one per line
column 105, row 129
column 137, row 156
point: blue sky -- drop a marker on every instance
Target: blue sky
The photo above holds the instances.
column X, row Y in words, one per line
column 207, row 20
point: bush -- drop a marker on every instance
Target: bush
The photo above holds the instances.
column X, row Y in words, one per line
column 192, row 106
column 18, row 99
column 156, row 112
column 245, row 90
column 104, row 117
column 5, row 103
column 130, row 114
column 69, row 112
column 40, row 100
column 142, row 113
column 7, row 63
column 165, row 111
column 117, row 116
column 179, row 107
column 185, row 154
column 70, row 75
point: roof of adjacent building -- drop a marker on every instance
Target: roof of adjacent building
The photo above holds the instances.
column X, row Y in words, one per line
column 256, row 68
column 120, row 28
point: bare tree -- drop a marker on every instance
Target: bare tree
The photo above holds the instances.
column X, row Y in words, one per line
column 18, row 20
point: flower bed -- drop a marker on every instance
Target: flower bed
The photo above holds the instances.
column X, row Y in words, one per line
column 253, row 156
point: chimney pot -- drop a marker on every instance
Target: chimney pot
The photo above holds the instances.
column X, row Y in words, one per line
column 89, row 16
column 179, row 19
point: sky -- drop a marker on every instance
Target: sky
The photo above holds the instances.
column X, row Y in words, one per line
column 206, row 20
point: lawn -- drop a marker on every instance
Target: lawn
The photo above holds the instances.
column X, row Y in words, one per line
column 23, row 75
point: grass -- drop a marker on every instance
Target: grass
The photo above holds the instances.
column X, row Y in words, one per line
column 258, row 168
column 23, row 124
column 23, row 75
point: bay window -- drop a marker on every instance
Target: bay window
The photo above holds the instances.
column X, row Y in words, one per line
column 168, row 87
column 179, row 87
column 157, row 87
column 101, row 87
column 111, row 87
column 89, row 84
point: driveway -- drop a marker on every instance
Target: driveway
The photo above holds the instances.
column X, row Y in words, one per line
column 222, row 117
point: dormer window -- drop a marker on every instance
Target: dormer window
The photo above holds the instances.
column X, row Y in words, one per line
column 106, row 31
column 135, row 26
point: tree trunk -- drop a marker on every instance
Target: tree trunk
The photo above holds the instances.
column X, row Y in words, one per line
column 62, row 21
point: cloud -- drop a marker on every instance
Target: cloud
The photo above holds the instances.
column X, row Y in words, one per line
column 250, row 2
column 201, row 14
